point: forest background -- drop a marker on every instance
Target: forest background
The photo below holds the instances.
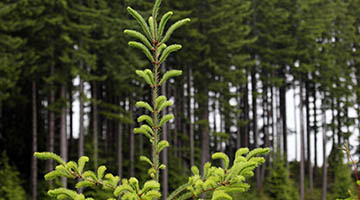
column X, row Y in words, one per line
column 283, row 74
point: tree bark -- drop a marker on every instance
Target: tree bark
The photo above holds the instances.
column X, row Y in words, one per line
column 81, row 119
column 119, row 151
column 239, row 126
column 295, row 121
column 315, row 134
column 324, row 137
column 63, row 136
column 204, row 128
column 283, row 114
column 273, row 117
column 333, row 121
column 190, row 117
column 95, row 125
column 255, row 124
column 246, row 113
column 50, row 162
column 308, row 132
column 302, row 145
column 132, row 140
column 339, row 124
column 34, row 144
column 71, row 134
column 265, row 117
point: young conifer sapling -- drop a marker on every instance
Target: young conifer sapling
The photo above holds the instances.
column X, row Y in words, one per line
column 216, row 182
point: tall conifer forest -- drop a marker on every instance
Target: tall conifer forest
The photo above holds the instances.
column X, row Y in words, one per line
column 277, row 74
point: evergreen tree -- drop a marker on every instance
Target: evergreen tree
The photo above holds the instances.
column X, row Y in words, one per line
column 10, row 182
column 11, row 53
column 278, row 184
column 340, row 182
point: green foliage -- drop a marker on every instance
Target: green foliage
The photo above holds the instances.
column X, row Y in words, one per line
column 222, row 181
column 10, row 182
column 278, row 184
column 216, row 180
column 11, row 53
column 339, row 175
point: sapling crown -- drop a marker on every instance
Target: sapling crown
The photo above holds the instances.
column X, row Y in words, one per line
column 217, row 181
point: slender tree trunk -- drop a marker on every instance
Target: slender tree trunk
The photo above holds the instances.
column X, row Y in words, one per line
column 71, row 134
column 278, row 120
column 339, row 124
column 239, row 137
column 315, row 134
column 204, row 128
column 50, row 162
column 324, row 137
column 246, row 114
column 283, row 114
column 119, row 151
column 176, row 124
column 34, row 144
column 204, row 100
column 308, row 132
column 185, row 154
column 265, row 117
column 273, row 128
column 95, row 125
column 295, row 121
column 164, row 153
column 190, row 117
column 333, row 121
column 63, row 136
column 132, row 140
column 81, row 119
column 302, row 145
column 255, row 124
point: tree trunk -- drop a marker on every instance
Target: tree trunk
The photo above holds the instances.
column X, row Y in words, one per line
column 95, row 125
column 324, row 137
column 339, row 124
column 315, row 134
column 283, row 114
column 265, row 117
column 176, row 120
column 295, row 121
column 302, row 145
column 81, row 119
column 132, row 139
column 51, row 139
column 63, row 136
column 239, row 137
column 71, row 134
column 273, row 128
column 308, row 132
column 119, row 151
column 190, row 116
column 34, row 144
column 333, row 121
column 204, row 128
column 246, row 113
column 255, row 124
column 164, row 153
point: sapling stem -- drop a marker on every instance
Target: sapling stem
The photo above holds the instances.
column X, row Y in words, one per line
column 156, row 112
